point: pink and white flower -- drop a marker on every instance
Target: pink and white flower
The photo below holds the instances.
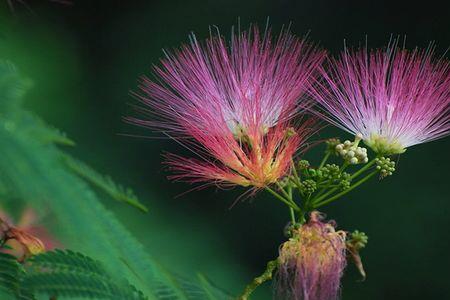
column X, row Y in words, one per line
column 393, row 98
column 233, row 105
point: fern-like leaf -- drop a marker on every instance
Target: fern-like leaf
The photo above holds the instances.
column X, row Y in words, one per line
column 11, row 275
column 70, row 274
column 50, row 134
column 59, row 260
column 12, row 88
column 115, row 191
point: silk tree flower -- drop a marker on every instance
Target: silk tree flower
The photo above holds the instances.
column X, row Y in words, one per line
column 392, row 98
column 233, row 105
column 312, row 262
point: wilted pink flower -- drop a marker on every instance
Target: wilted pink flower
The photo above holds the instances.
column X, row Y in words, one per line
column 394, row 98
column 26, row 237
column 312, row 262
column 233, row 105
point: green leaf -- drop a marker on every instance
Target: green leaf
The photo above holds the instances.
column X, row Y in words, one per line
column 115, row 191
column 68, row 274
column 11, row 274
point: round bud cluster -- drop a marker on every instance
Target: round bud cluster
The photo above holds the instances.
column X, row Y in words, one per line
column 352, row 153
column 345, row 181
column 344, row 184
column 358, row 239
column 345, row 176
column 331, row 145
column 303, row 164
column 327, row 172
column 385, row 166
column 330, row 171
column 308, row 186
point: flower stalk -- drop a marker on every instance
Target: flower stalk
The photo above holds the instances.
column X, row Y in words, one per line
column 257, row 281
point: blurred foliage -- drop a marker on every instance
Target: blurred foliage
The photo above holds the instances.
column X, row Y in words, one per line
column 34, row 170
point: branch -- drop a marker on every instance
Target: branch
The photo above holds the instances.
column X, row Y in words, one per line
column 257, row 281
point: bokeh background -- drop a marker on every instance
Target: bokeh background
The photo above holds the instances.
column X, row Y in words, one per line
column 84, row 60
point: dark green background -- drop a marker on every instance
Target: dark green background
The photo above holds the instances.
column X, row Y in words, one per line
column 85, row 58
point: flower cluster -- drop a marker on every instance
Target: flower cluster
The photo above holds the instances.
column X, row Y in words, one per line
column 241, row 108
column 234, row 106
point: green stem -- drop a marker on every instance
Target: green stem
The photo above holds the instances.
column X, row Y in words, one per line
column 338, row 195
column 360, row 171
column 292, row 216
column 282, row 199
column 290, row 208
column 283, row 191
column 257, row 281
column 296, row 177
column 302, row 219
column 325, row 158
column 322, row 195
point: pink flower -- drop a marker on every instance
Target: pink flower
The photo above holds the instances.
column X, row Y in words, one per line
column 233, row 105
column 312, row 262
column 394, row 98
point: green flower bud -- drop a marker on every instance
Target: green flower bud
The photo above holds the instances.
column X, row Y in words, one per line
column 316, row 174
column 385, row 166
column 355, row 242
column 358, row 240
column 303, row 164
column 308, row 186
column 345, row 176
column 330, row 172
column 344, row 184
